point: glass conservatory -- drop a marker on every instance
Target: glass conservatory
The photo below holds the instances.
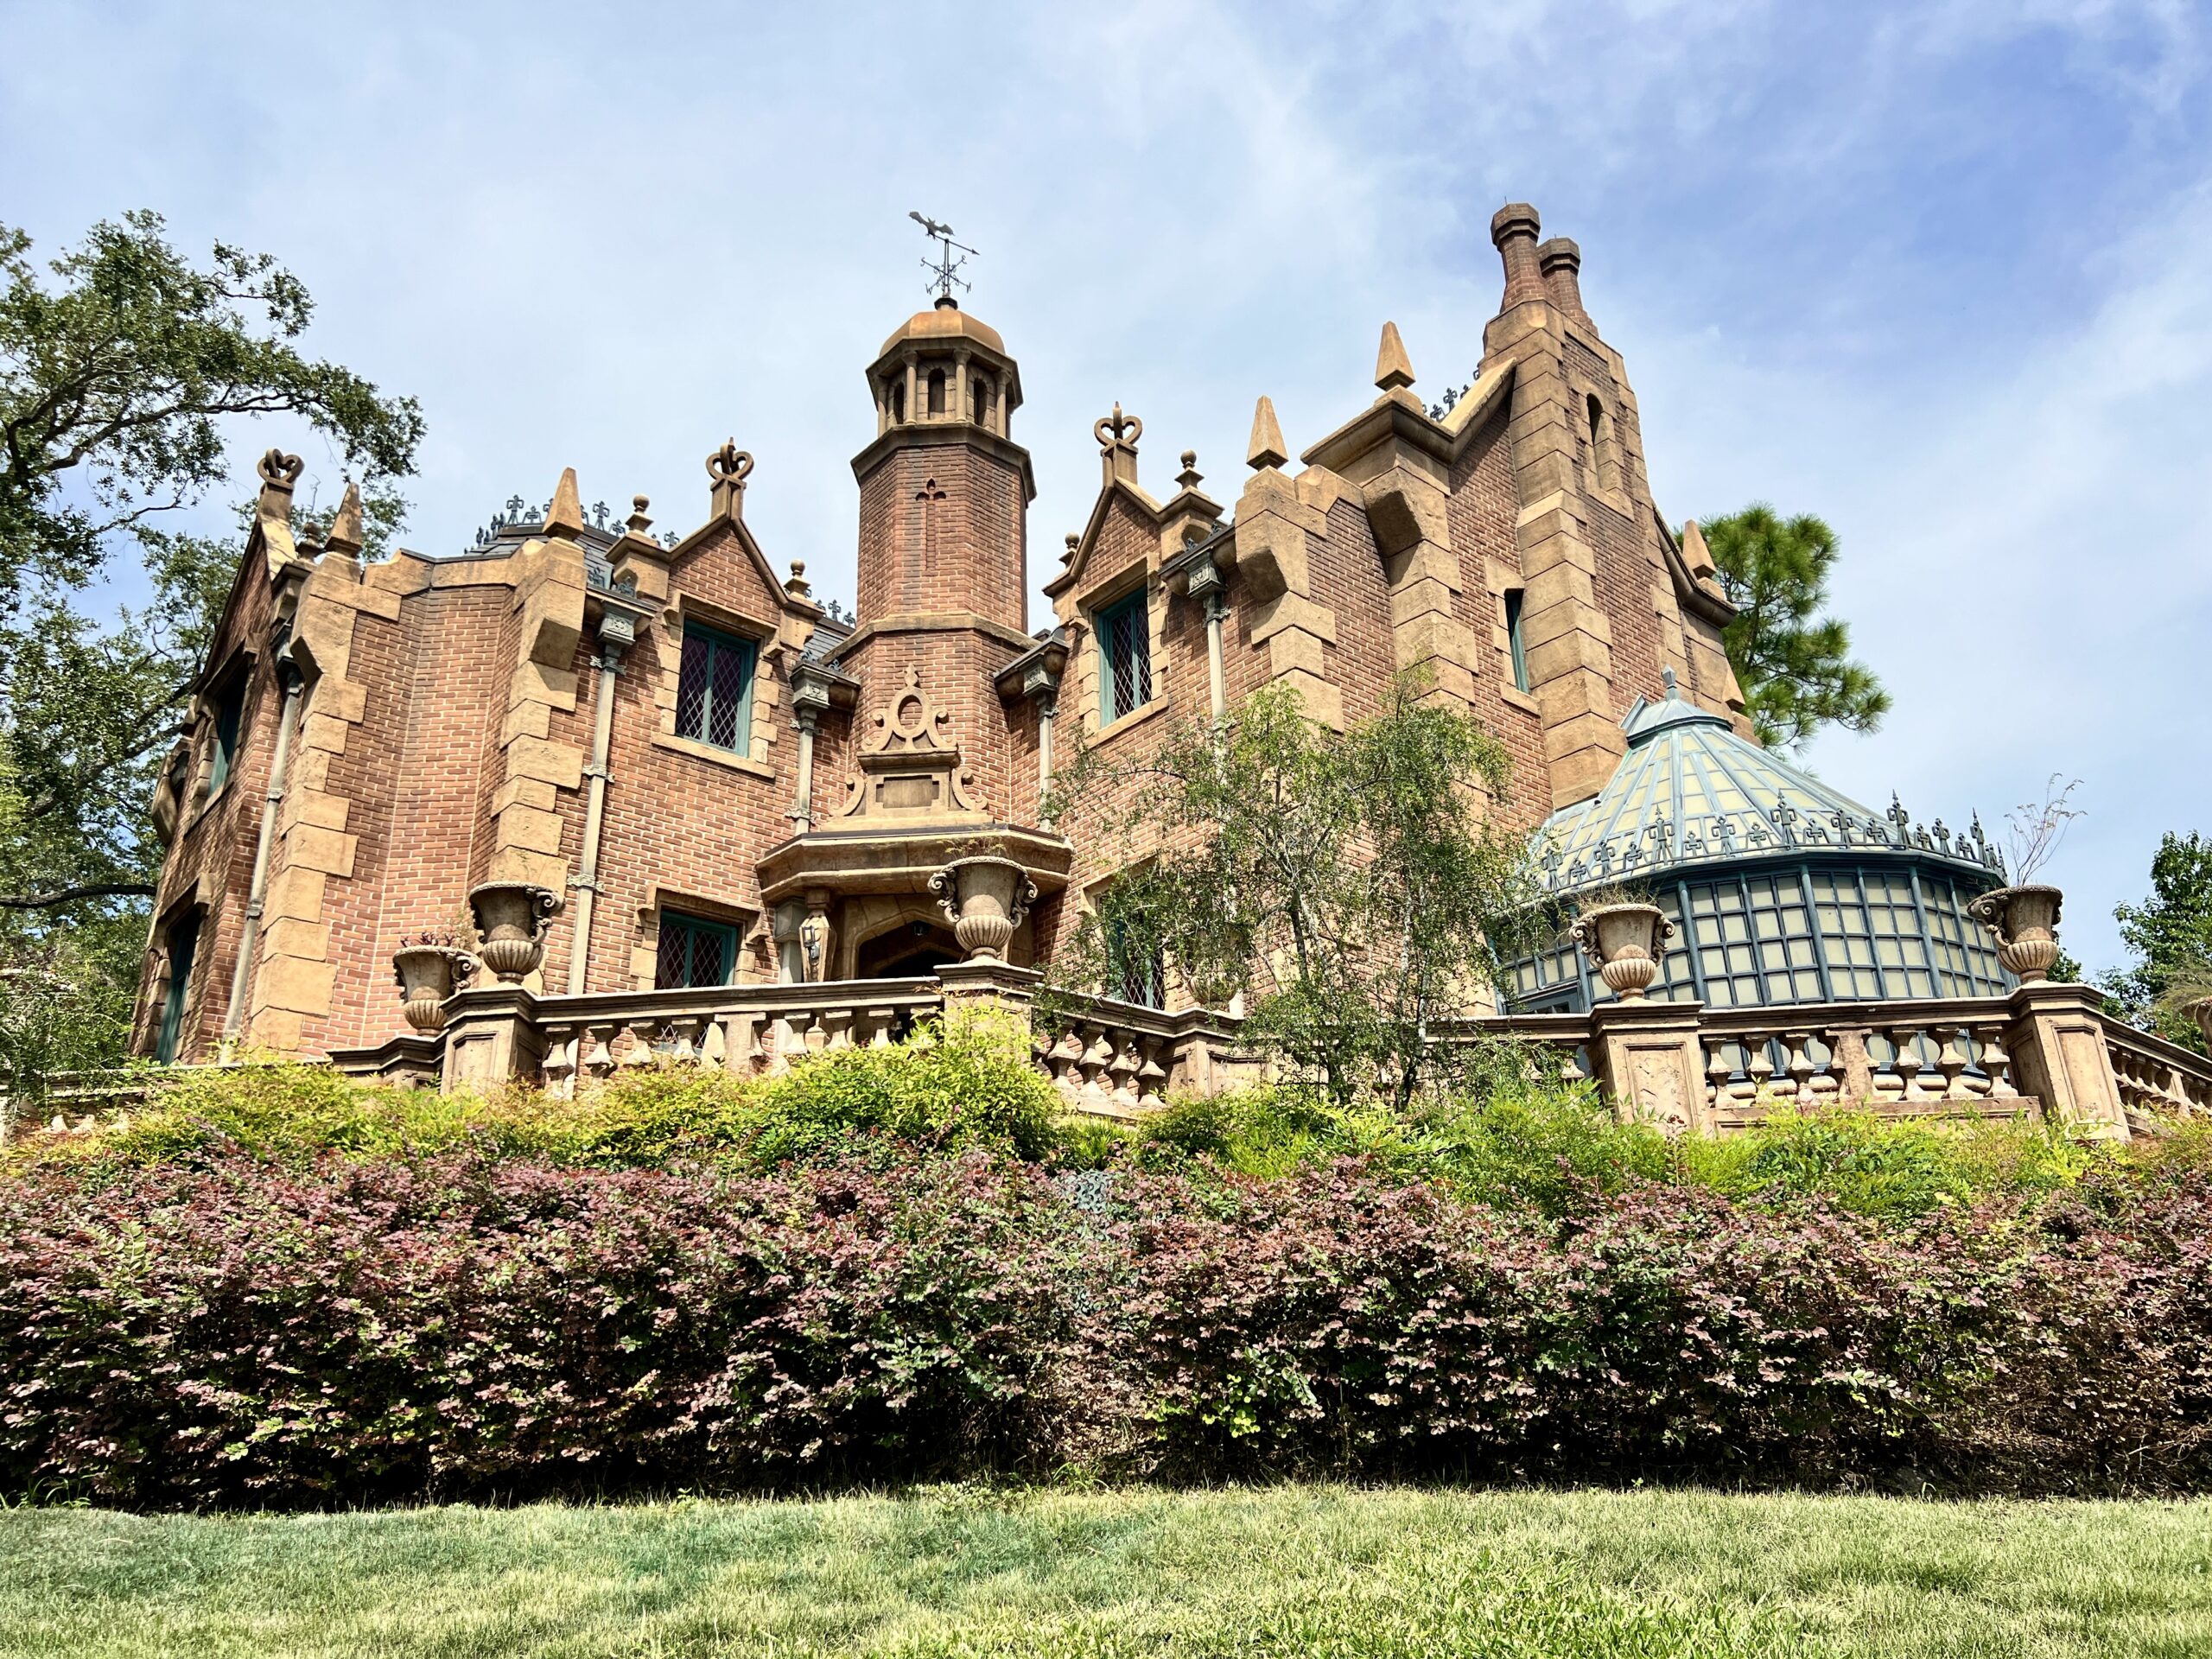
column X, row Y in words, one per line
column 1780, row 889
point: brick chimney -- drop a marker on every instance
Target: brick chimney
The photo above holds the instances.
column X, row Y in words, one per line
column 1514, row 228
column 1560, row 262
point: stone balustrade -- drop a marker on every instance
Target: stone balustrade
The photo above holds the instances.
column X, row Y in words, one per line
column 2046, row 1051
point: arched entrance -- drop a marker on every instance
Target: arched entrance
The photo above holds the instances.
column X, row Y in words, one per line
column 911, row 951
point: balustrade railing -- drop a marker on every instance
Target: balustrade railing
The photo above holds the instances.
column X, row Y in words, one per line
column 2156, row 1078
column 1936, row 1057
column 748, row 1030
column 1119, row 1059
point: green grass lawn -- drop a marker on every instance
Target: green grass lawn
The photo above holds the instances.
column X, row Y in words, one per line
column 1292, row 1570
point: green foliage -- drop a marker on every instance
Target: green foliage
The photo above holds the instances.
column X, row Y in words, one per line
column 1347, row 884
column 119, row 383
column 2168, row 936
column 1792, row 662
column 960, row 1082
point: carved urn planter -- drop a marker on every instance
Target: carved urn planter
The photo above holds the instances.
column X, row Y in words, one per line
column 512, row 915
column 2023, row 919
column 985, row 898
column 428, row 972
column 1625, row 941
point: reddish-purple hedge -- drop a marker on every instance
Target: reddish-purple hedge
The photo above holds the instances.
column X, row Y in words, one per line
column 373, row 1330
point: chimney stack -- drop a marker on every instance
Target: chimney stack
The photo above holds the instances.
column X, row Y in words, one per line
column 1514, row 228
column 1560, row 262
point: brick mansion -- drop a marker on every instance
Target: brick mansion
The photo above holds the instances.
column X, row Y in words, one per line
column 675, row 806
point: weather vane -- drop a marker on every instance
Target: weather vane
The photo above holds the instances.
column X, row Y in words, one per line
column 944, row 269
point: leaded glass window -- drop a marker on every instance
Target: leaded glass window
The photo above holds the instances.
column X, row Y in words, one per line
column 693, row 951
column 1513, row 639
column 228, row 713
column 714, row 689
column 1124, row 658
column 184, row 940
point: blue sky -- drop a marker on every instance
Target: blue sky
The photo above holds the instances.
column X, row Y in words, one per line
column 1941, row 273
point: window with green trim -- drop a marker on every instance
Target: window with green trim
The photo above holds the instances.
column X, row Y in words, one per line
column 184, row 940
column 1124, row 657
column 714, row 689
column 693, row 951
column 1513, row 639
column 227, row 714
column 1139, row 970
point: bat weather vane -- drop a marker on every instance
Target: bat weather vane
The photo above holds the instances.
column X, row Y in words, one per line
column 945, row 269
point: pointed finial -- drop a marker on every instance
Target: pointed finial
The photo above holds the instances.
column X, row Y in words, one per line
column 344, row 533
column 564, row 513
column 1393, row 368
column 1667, row 679
column 1266, row 450
column 1190, row 478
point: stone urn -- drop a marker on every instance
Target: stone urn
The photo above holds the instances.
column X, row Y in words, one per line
column 428, row 972
column 985, row 899
column 512, row 915
column 2023, row 919
column 1625, row 941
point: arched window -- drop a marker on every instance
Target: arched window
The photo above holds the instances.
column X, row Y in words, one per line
column 937, row 391
column 979, row 399
column 898, row 400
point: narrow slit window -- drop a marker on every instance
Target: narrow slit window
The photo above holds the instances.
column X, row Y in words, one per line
column 979, row 399
column 1124, row 658
column 1513, row 643
column 694, row 952
column 937, row 391
column 714, row 690
column 184, row 940
column 898, row 402
column 227, row 714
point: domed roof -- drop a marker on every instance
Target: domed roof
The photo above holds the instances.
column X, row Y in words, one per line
column 1691, row 790
column 945, row 320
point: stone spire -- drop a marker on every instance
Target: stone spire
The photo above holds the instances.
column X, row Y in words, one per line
column 1393, row 368
column 344, row 533
column 1266, row 450
column 564, row 514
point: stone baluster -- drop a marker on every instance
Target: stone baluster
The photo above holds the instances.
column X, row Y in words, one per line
column 1905, row 1039
column 1950, row 1059
column 1718, row 1072
column 1152, row 1077
column 713, row 1048
column 881, row 1022
column 644, row 1029
column 1996, row 1064
column 599, row 1058
column 685, row 1050
column 1797, row 1053
column 840, row 1024
column 1098, row 1055
column 1123, row 1069
column 1066, row 1059
column 561, row 1062
column 1758, row 1064
column 817, row 1034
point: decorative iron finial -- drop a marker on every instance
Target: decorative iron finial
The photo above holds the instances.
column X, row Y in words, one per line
column 944, row 269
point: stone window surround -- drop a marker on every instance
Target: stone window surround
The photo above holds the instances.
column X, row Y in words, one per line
column 192, row 905
column 1103, row 594
column 237, row 669
column 1501, row 579
column 645, row 950
column 684, row 608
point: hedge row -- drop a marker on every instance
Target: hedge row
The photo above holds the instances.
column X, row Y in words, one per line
column 375, row 1330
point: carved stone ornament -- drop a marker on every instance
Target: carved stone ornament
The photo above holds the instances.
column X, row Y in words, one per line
column 729, row 464
column 427, row 974
column 985, row 898
column 2024, row 920
column 907, row 764
column 279, row 468
column 512, row 915
column 1625, row 943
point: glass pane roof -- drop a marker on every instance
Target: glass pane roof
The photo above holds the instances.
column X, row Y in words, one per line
column 1691, row 790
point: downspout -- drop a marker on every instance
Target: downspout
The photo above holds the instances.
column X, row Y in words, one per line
column 271, row 799
column 587, row 878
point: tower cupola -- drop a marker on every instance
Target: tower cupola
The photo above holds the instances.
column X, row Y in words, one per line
column 943, row 365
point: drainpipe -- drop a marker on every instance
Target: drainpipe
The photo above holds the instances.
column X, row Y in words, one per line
column 1209, row 589
column 802, row 813
column 585, row 882
column 273, row 797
